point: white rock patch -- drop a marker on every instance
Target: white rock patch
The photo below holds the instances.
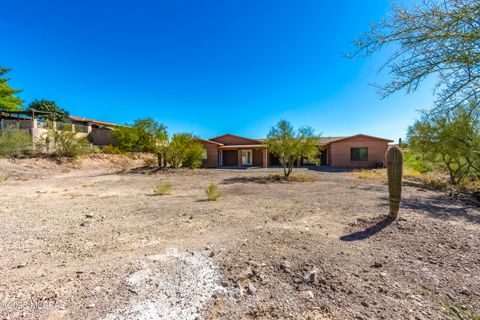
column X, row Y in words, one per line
column 174, row 285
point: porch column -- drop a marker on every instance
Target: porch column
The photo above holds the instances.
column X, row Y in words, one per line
column 239, row 158
column 265, row 157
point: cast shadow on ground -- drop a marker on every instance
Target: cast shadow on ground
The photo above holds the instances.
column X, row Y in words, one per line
column 368, row 232
column 254, row 179
column 441, row 206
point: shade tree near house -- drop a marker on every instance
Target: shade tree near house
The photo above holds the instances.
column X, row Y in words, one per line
column 55, row 112
column 436, row 38
column 289, row 145
column 8, row 95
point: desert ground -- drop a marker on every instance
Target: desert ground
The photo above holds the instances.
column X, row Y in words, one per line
column 81, row 240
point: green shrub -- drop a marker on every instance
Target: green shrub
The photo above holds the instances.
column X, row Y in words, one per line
column 193, row 156
column 112, row 150
column 162, row 189
column 2, row 177
column 143, row 136
column 14, row 143
column 415, row 162
column 67, row 145
column 212, row 192
column 183, row 150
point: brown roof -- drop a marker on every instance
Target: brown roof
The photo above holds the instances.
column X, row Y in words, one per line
column 209, row 141
column 321, row 140
column 81, row 119
column 234, row 146
column 232, row 135
column 359, row 135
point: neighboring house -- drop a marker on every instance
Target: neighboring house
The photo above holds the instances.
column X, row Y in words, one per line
column 100, row 132
column 31, row 122
column 358, row 151
column 94, row 124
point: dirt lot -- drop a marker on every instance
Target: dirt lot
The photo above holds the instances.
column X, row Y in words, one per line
column 80, row 241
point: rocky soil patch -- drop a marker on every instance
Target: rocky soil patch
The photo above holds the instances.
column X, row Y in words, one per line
column 90, row 243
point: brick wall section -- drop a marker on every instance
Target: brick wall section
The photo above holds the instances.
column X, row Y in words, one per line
column 339, row 153
column 212, row 155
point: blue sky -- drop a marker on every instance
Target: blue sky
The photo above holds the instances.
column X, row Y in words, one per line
column 207, row 67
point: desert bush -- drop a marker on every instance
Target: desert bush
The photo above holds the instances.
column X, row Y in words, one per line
column 143, row 136
column 67, row 145
column 469, row 185
column 162, row 189
column 435, row 180
column 112, row 150
column 150, row 162
column 297, row 177
column 3, row 177
column 183, row 150
column 14, row 143
column 212, row 192
column 94, row 150
column 122, row 162
column 302, row 177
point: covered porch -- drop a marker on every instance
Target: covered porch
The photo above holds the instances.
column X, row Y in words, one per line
column 240, row 156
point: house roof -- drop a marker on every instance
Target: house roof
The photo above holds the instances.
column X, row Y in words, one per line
column 30, row 112
column 321, row 140
column 359, row 135
column 209, row 141
column 81, row 119
column 232, row 135
column 235, row 146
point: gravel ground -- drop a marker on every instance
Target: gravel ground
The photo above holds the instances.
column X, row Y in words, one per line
column 80, row 241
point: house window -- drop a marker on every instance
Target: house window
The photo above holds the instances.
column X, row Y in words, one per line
column 204, row 154
column 359, row 154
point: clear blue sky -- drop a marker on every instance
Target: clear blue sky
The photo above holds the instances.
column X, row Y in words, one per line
column 207, row 67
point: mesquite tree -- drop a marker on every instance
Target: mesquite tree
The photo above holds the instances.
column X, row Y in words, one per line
column 289, row 145
column 437, row 37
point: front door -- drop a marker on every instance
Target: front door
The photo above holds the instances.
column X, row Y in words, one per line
column 246, row 157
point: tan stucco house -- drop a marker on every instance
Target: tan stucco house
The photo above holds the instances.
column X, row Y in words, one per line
column 358, row 151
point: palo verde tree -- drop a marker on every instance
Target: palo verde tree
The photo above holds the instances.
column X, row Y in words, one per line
column 56, row 113
column 437, row 38
column 289, row 145
column 144, row 135
column 183, row 150
column 8, row 99
column 450, row 140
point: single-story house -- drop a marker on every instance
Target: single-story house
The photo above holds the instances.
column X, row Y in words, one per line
column 358, row 151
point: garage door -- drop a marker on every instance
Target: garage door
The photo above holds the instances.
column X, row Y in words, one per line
column 230, row 158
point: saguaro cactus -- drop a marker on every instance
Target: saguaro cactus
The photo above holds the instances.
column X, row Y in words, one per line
column 394, row 172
